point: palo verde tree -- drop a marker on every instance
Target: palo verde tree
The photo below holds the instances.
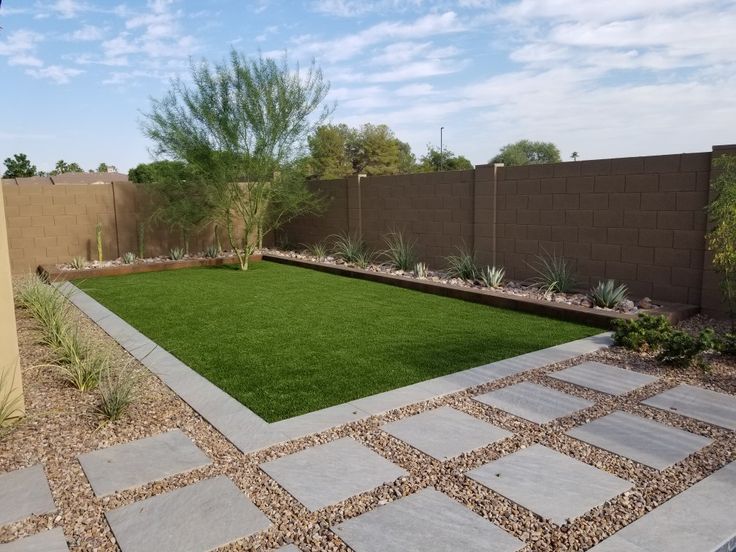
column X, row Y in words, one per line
column 242, row 125
column 722, row 238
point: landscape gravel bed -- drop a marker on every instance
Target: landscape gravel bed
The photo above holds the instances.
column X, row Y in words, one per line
column 61, row 424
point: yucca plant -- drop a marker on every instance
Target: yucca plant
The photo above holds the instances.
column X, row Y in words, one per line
column 608, row 295
column 421, row 270
column 98, row 239
column 317, row 250
column 348, row 248
column 492, row 276
column 78, row 262
column 176, row 253
column 399, row 252
column 462, row 266
column 117, row 389
column 554, row 274
column 129, row 257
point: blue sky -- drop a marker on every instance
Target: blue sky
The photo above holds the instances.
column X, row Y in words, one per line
column 604, row 78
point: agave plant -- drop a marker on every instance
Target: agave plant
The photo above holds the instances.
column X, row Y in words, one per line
column 554, row 274
column 399, row 252
column 78, row 262
column 176, row 253
column 462, row 266
column 608, row 295
column 129, row 257
column 492, row 276
column 211, row 252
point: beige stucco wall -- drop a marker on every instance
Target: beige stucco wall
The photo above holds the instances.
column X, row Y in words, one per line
column 10, row 378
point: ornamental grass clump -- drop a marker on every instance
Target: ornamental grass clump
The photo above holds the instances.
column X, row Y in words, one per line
column 399, row 252
column 117, row 391
column 608, row 295
column 317, row 250
column 492, row 276
column 462, row 266
column 554, row 274
column 348, row 248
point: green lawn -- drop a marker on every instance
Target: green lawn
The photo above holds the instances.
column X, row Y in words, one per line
column 285, row 340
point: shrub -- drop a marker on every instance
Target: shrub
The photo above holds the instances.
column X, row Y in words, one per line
column 211, row 252
column 680, row 348
column 492, row 276
column 176, row 253
column 98, row 239
column 462, row 266
column 78, row 262
column 317, row 250
column 608, row 295
column 646, row 332
column 348, row 248
column 554, row 274
column 727, row 344
column 129, row 257
column 421, row 270
column 399, row 252
column 117, row 391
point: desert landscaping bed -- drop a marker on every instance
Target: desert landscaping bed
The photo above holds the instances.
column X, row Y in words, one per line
column 61, row 424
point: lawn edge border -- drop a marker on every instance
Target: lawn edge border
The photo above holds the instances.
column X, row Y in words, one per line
column 250, row 433
column 675, row 312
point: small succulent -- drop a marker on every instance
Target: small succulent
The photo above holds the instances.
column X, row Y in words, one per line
column 608, row 295
column 211, row 252
column 492, row 276
column 176, row 253
column 421, row 270
column 129, row 257
column 78, row 262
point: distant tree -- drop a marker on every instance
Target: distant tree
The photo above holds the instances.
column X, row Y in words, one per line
column 102, row 167
column 18, row 166
column 64, row 167
column 434, row 160
column 527, row 152
column 329, row 154
column 574, row 156
column 407, row 159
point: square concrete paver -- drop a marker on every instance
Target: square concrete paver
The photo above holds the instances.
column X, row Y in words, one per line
column 700, row 519
column 548, row 483
column 24, row 493
column 52, row 540
column 645, row 441
column 139, row 462
column 330, row 473
column 427, row 520
column 534, row 402
column 445, row 432
column 197, row 518
column 604, row 377
column 695, row 402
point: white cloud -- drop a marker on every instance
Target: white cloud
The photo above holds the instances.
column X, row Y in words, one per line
column 20, row 48
column 354, row 8
column 56, row 73
column 68, row 9
column 415, row 90
column 87, row 33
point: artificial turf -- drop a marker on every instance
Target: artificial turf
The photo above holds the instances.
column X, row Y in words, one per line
column 285, row 340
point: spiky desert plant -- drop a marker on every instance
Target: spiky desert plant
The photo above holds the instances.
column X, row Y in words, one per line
column 117, row 390
column 492, row 276
column 421, row 270
column 317, row 250
column 365, row 259
column 399, row 252
column 608, row 295
column 554, row 274
column 78, row 262
column 129, row 257
column 98, row 239
column 176, row 253
column 348, row 248
column 211, row 252
column 462, row 266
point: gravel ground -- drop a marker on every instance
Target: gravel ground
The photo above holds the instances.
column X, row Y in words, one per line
column 61, row 424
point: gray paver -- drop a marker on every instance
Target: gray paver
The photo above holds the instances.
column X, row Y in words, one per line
column 604, row 377
column 288, row 548
column 142, row 461
column 52, row 540
column 549, row 483
column 700, row 519
column 330, row 473
column 200, row 517
column 426, row 520
column 645, row 441
column 695, row 402
column 24, row 493
column 534, row 402
column 319, row 420
column 445, row 432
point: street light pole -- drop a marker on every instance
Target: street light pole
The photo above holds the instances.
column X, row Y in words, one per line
column 442, row 151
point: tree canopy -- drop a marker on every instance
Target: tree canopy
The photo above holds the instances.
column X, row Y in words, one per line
column 528, row 152
column 19, row 166
column 243, row 124
column 64, row 167
column 434, row 160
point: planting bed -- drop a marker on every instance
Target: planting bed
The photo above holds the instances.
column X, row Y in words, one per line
column 286, row 341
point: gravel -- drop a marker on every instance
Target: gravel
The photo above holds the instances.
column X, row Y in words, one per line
column 61, row 424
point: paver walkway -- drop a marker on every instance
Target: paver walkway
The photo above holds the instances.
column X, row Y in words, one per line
column 47, row 541
column 24, row 493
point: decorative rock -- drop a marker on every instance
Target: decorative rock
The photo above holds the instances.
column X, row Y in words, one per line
column 426, row 520
column 24, row 493
column 645, row 303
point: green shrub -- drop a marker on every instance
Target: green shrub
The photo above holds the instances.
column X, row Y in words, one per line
column 680, row 348
column 176, row 253
column 727, row 344
column 554, row 274
column 492, row 276
column 129, row 257
column 348, row 248
column 646, row 332
column 608, row 295
column 462, row 266
column 117, row 389
column 421, row 270
column 317, row 250
column 78, row 262
column 399, row 252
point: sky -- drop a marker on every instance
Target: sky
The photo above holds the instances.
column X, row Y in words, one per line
column 605, row 78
